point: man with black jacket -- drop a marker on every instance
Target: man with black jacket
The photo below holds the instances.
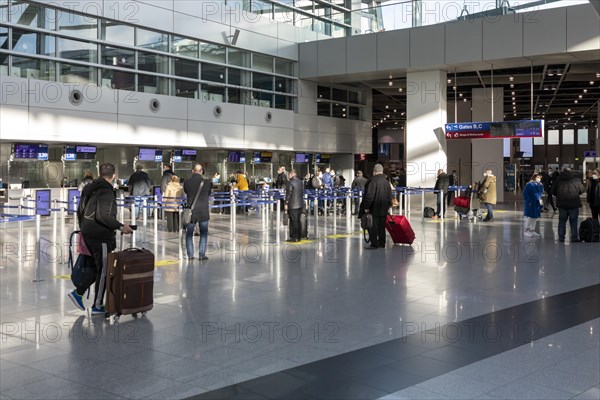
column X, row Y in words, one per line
column 139, row 185
column 548, row 180
column 282, row 178
column 294, row 205
column 442, row 183
column 200, row 214
column 377, row 201
column 97, row 216
column 568, row 189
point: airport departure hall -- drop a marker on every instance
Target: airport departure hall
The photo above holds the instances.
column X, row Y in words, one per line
column 296, row 199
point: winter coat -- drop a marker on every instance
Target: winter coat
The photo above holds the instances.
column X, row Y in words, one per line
column 294, row 194
column 190, row 187
column 282, row 181
column 568, row 189
column 378, row 197
column 84, row 183
column 165, row 180
column 174, row 189
column 593, row 192
column 359, row 183
column 139, row 184
column 487, row 190
column 97, row 212
column 242, row 182
column 532, row 194
column 442, row 182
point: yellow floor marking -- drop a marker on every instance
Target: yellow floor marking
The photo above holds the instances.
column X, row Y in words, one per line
column 164, row 263
column 65, row 277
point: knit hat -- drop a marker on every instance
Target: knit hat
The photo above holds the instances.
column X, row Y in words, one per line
column 378, row 168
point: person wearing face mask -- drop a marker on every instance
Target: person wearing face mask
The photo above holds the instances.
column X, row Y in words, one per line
column 593, row 193
column 548, row 180
column 532, row 196
column 487, row 194
column 568, row 189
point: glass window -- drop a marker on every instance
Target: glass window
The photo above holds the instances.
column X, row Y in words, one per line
column 238, row 77
column 262, row 81
column 80, row 74
column 32, row 43
column 185, row 47
column 538, row 141
column 153, row 62
column 260, row 7
column 186, row 89
column 28, row 14
column 34, row 69
column 116, row 32
column 339, row 95
column 239, row 58
column 152, row 40
column 283, row 14
column 238, row 96
column 212, row 52
column 284, row 67
column 3, row 38
column 553, row 136
column 213, row 73
column 213, row 93
column 261, row 99
column 84, row 27
column 153, row 84
column 568, row 136
column 3, row 10
column 324, row 109
column 323, row 93
column 263, row 63
column 118, row 57
column 185, row 68
column 76, row 50
column 339, row 110
column 354, row 97
column 118, row 79
column 284, row 102
column 582, row 136
column 282, row 85
column 354, row 113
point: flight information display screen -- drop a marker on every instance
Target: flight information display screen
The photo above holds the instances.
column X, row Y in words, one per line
column 31, row 151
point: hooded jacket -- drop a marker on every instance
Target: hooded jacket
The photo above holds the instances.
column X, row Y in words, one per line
column 442, row 182
column 487, row 190
column 174, row 189
column 97, row 212
column 568, row 188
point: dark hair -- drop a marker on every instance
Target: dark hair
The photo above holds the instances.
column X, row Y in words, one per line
column 107, row 170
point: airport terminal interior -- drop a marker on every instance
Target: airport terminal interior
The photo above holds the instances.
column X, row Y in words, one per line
column 474, row 307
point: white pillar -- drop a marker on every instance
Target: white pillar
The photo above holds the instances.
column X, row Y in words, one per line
column 425, row 112
column 488, row 153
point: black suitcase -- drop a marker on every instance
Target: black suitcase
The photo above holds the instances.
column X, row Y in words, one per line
column 589, row 230
column 304, row 225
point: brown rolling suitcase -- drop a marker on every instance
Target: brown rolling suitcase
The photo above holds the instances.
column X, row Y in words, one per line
column 129, row 282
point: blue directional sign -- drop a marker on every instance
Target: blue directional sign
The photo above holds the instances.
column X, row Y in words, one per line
column 495, row 130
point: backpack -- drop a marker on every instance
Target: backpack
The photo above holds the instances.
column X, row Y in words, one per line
column 589, row 230
column 315, row 182
column 428, row 212
column 83, row 271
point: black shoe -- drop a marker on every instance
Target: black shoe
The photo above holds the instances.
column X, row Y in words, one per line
column 203, row 258
column 575, row 240
column 292, row 240
column 561, row 240
column 196, row 234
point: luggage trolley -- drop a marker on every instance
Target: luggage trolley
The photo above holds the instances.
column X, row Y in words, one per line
column 465, row 206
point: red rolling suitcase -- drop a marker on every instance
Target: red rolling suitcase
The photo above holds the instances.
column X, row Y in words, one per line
column 399, row 229
column 129, row 282
column 462, row 201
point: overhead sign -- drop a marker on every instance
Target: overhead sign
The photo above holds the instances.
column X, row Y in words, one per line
column 590, row 153
column 495, row 130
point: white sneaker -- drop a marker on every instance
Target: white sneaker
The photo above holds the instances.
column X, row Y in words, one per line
column 534, row 233
column 528, row 234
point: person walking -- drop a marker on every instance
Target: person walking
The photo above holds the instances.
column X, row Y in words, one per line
column 377, row 202
column 487, row 194
column 197, row 187
column 139, row 185
column 568, row 189
column 548, row 180
column 453, row 181
column 533, row 203
column 593, row 193
column 441, row 184
column 172, row 198
column 358, row 189
column 97, row 216
column 87, row 179
column 294, row 205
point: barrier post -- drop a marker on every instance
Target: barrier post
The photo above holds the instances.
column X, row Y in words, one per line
column 75, row 206
column 63, row 226
column 133, row 235
column 443, row 204
column 349, row 211
column 121, row 200
column 401, row 203
column 145, row 219
column 156, row 210
column 277, row 223
column 422, row 206
column 233, row 220
column 408, row 206
column 316, row 214
column 38, row 245
column 54, row 221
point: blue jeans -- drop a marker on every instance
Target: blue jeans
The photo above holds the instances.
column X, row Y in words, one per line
column 441, row 202
column 571, row 214
column 189, row 238
column 490, row 211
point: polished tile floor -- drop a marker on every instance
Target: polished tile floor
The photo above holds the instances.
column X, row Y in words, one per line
column 257, row 309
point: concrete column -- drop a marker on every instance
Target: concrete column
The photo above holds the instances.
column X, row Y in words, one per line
column 459, row 151
column 426, row 116
column 488, row 153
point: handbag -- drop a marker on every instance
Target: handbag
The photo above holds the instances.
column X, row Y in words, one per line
column 366, row 224
column 186, row 215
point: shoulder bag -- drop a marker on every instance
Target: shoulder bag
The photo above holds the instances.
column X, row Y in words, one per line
column 186, row 215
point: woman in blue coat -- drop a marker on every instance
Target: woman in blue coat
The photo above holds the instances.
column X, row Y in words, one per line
column 532, row 196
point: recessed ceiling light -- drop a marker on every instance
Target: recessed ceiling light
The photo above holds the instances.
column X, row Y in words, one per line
column 400, row 90
column 386, row 107
column 460, row 94
column 449, row 80
column 465, row 100
column 394, row 110
column 584, row 90
column 512, row 86
column 513, row 93
column 390, row 83
column 591, row 82
column 580, row 96
column 512, row 78
column 576, row 101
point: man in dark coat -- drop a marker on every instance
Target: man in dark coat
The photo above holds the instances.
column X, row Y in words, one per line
column 139, row 185
column 453, row 181
column 442, row 183
column 568, row 189
column 548, row 179
column 294, row 205
column 358, row 185
column 377, row 201
column 282, row 178
column 200, row 214
column 97, row 216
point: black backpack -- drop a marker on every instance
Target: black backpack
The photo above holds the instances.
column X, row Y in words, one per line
column 428, row 212
column 589, row 230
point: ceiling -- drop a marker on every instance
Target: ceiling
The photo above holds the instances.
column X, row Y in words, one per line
column 563, row 93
